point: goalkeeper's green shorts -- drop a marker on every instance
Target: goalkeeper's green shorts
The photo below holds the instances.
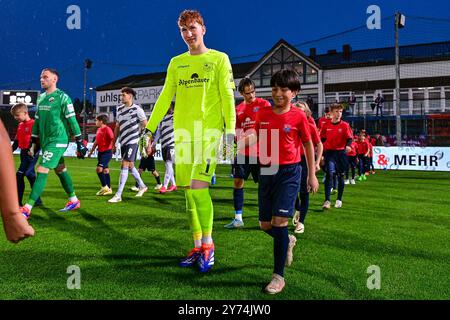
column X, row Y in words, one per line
column 52, row 155
column 195, row 161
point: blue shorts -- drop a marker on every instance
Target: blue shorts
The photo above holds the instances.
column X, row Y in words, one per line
column 336, row 161
column 147, row 164
column 277, row 193
column 104, row 158
column 27, row 163
column 129, row 152
column 304, row 176
column 243, row 166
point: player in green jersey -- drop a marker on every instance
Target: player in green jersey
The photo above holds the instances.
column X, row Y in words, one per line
column 54, row 117
column 202, row 80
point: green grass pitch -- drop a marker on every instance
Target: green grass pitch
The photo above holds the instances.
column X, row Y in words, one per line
column 396, row 220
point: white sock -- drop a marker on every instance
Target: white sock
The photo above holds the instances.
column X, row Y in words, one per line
column 122, row 180
column 168, row 176
column 207, row 240
column 238, row 216
column 198, row 243
column 73, row 199
column 28, row 206
column 138, row 178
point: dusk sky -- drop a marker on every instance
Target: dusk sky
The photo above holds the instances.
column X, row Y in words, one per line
column 134, row 37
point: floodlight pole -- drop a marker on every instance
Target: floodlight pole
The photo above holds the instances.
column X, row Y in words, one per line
column 397, row 82
column 84, row 102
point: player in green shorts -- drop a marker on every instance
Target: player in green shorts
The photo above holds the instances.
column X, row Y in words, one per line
column 202, row 80
column 54, row 117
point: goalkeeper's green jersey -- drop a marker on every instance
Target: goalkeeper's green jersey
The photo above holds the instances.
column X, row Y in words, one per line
column 203, row 85
column 54, row 116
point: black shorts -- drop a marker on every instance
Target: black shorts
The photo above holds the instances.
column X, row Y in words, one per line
column 103, row 159
column 243, row 166
column 168, row 154
column 147, row 164
column 129, row 152
column 277, row 192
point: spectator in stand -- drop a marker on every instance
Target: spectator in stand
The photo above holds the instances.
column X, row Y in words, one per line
column 379, row 104
column 351, row 104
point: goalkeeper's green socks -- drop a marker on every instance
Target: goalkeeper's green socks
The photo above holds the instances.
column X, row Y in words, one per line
column 38, row 188
column 205, row 212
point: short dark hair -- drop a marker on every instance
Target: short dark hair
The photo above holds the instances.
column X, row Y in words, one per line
column 129, row 91
column 327, row 109
column 51, row 70
column 286, row 78
column 103, row 118
column 19, row 107
column 246, row 82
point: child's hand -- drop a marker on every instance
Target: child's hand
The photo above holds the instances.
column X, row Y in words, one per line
column 313, row 184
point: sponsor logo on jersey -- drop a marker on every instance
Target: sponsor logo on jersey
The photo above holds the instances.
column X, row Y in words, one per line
column 44, row 108
column 255, row 109
column 195, row 81
column 51, row 99
column 183, row 66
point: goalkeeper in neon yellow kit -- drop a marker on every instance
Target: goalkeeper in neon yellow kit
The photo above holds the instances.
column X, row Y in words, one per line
column 202, row 81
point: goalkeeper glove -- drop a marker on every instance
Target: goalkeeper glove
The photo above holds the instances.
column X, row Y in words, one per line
column 145, row 141
column 81, row 147
column 230, row 147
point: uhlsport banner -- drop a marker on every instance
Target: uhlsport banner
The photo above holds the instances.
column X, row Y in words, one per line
column 412, row 158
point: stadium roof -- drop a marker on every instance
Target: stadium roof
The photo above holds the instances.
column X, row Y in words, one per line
column 331, row 60
column 379, row 56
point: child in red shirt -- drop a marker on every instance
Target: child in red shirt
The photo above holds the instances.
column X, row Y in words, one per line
column 104, row 142
column 337, row 141
column 363, row 156
column 23, row 138
column 352, row 162
column 280, row 132
column 302, row 202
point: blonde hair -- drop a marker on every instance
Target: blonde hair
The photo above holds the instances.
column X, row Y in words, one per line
column 19, row 107
column 304, row 106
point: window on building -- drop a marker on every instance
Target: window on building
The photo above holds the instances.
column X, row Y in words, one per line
column 311, row 75
column 283, row 58
column 418, row 101
column 434, row 101
column 103, row 109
